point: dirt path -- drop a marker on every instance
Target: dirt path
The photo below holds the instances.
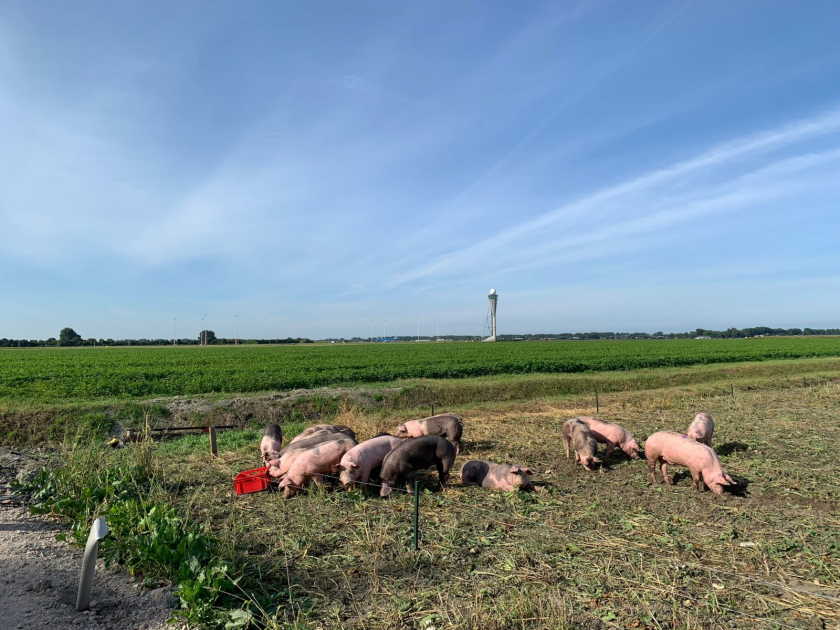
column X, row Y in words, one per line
column 39, row 575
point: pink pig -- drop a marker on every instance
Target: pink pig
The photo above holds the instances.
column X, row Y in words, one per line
column 277, row 468
column 576, row 433
column 447, row 425
column 360, row 460
column 312, row 464
column 496, row 476
column 271, row 442
column 702, row 428
column 667, row 447
column 612, row 434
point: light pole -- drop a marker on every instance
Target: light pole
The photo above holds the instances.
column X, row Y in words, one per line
column 418, row 329
column 235, row 330
column 371, row 331
column 383, row 329
column 438, row 327
column 175, row 338
column 206, row 325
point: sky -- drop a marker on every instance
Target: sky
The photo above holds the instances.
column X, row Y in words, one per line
column 324, row 169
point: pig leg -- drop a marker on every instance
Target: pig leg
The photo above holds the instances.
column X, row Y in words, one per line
column 318, row 479
column 567, row 440
column 610, row 447
column 442, row 476
column 652, row 470
column 457, row 445
column 665, row 472
column 696, row 481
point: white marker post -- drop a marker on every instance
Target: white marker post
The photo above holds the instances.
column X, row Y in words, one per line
column 97, row 533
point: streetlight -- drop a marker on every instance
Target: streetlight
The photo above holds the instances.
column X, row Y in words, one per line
column 175, row 338
column 206, row 325
column 235, row 330
column 418, row 329
column 371, row 331
column 383, row 329
column 438, row 327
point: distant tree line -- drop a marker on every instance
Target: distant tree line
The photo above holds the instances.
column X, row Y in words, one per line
column 729, row 333
column 70, row 338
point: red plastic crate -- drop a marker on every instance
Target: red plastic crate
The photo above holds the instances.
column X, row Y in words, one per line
column 250, row 481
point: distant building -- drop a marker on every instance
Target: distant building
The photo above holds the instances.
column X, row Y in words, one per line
column 703, row 337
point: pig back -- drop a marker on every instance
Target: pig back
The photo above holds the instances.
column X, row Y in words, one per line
column 474, row 471
column 321, row 458
column 314, row 440
column 372, row 451
column 418, row 454
column 613, row 432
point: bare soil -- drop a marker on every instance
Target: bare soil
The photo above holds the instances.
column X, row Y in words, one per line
column 40, row 574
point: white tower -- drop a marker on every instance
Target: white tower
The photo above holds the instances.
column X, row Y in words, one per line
column 491, row 315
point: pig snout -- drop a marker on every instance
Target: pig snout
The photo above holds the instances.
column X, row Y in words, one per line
column 589, row 462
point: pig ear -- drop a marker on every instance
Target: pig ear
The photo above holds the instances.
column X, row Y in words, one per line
column 284, row 483
column 595, row 460
column 335, row 467
column 528, row 471
column 514, row 469
column 353, row 465
column 401, row 427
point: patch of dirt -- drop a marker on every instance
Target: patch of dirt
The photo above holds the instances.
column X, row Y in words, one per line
column 39, row 575
column 277, row 407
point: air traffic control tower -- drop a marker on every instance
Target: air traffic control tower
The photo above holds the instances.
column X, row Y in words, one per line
column 491, row 315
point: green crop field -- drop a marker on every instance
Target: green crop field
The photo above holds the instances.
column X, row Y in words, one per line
column 54, row 375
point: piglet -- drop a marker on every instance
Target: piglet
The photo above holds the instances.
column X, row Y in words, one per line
column 312, row 464
column 667, row 447
column 496, row 476
column 446, row 425
column 413, row 455
column 360, row 460
column 272, row 442
column 701, row 429
column 586, row 447
column 612, row 434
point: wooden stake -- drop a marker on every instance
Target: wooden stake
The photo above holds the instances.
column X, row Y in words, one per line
column 214, row 449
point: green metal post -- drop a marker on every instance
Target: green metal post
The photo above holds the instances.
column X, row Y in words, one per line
column 433, row 408
column 597, row 403
column 416, row 510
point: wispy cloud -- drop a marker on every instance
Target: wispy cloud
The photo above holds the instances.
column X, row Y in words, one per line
column 721, row 155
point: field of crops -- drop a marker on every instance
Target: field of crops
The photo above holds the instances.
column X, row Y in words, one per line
column 53, row 375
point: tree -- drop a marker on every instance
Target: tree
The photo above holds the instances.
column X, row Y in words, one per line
column 207, row 336
column 68, row 337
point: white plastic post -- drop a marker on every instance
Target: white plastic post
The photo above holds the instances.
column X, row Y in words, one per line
column 97, row 533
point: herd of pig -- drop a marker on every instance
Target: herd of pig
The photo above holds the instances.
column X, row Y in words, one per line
column 433, row 442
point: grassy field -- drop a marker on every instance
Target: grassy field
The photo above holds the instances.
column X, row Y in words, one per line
column 52, row 376
column 590, row 550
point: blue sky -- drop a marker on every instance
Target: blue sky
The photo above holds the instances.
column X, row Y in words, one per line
column 311, row 167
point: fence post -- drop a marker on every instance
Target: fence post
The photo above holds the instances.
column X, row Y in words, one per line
column 416, row 510
column 433, row 408
column 732, row 390
column 214, row 449
column 804, row 382
column 597, row 403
